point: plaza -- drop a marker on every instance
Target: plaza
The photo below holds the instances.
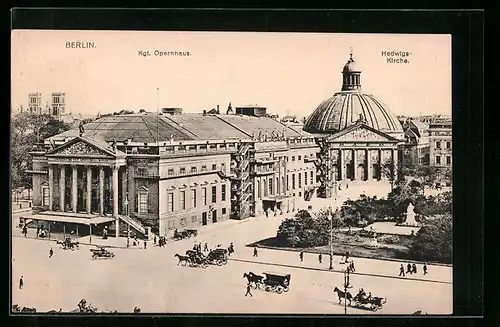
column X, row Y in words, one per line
column 151, row 279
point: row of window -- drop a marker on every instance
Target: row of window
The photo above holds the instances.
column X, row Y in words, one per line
column 448, row 160
column 438, row 144
column 194, row 169
column 193, row 198
column 271, row 187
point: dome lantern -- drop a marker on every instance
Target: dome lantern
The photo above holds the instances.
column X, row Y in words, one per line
column 351, row 76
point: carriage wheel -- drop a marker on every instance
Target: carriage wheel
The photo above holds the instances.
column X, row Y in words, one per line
column 224, row 262
column 374, row 307
column 219, row 262
column 267, row 288
column 94, row 256
column 279, row 289
column 286, row 289
column 285, row 282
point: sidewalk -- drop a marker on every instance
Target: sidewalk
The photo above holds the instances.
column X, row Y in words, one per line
column 363, row 266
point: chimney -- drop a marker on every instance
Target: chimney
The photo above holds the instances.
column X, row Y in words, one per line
column 218, row 109
column 204, row 112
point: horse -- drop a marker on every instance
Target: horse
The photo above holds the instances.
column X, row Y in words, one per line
column 182, row 258
column 253, row 278
column 344, row 295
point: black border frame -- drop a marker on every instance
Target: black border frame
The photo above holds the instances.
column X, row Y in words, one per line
column 467, row 30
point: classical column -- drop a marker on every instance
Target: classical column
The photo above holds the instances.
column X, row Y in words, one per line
column 341, row 165
column 354, row 164
column 368, row 165
column 379, row 164
column 74, row 190
column 51, row 186
column 395, row 162
column 89, row 189
column 101, row 191
column 62, row 185
column 124, row 190
column 115, row 199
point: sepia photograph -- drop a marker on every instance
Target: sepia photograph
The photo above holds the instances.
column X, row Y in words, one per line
column 176, row 172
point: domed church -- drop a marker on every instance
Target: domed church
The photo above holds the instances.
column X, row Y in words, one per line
column 357, row 134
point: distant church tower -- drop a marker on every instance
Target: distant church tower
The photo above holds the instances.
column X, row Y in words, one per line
column 58, row 105
column 35, row 103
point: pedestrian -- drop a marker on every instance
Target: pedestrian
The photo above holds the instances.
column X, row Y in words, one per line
column 255, row 252
column 352, row 266
column 51, row 253
column 205, row 247
column 408, row 268
column 199, row 247
column 331, row 262
column 21, row 282
column 425, row 269
column 37, row 230
column 414, row 270
column 267, row 214
column 402, row 270
column 320, row 258
column 145, row 244
column 154, row 240
column 301, row 256
column 248, row 290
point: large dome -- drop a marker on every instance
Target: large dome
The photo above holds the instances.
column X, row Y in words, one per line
column 344, row 109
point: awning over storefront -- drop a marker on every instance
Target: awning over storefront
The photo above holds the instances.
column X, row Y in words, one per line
column 68, row 219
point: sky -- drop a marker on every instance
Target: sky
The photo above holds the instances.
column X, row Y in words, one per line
column 289, row 73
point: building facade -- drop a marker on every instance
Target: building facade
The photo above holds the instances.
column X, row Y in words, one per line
column 167, row 172
column 35, row 103
column 441, row 149
column 357, row 134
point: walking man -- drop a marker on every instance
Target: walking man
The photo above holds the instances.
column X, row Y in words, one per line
column 154, row 240
column 145, row 244
column 408, row 268
column 21, row 283
column 320, row 258
column 352, row 266
column 301, row 256
column 425, row 269
column 205, row 247
column 402, row 270
column 414, row 268
column 248, row 290
column 255, row 251
column 51, row 253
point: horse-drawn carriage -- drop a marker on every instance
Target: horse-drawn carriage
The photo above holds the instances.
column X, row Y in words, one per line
column 271, row 282
column 369, row 302
column 196, row 259
column 361, row 300
column 187, row 233
column 217, row 257
column 101, row 252
column 68, row 244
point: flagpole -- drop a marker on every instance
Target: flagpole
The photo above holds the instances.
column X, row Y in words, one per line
column 157, row 117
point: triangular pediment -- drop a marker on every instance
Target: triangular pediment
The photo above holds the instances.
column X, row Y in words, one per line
column 81, row 147
column 361, row 133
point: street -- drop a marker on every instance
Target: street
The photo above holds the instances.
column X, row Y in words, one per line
column 150, row 279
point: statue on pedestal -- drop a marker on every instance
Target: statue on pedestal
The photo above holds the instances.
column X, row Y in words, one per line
column 410, row 216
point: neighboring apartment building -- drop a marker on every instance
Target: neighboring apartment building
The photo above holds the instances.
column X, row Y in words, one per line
column 441, row 148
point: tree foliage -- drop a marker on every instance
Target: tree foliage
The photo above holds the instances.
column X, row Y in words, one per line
column 434, row 240
column 366, row 210
column 28, row 130
column 306, row 230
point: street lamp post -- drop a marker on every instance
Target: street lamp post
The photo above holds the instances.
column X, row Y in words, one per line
column 346, row 286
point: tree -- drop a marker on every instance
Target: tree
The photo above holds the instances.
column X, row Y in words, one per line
column 365, row 210
column 434, row 240
column 303, row 230
column 28, row 130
